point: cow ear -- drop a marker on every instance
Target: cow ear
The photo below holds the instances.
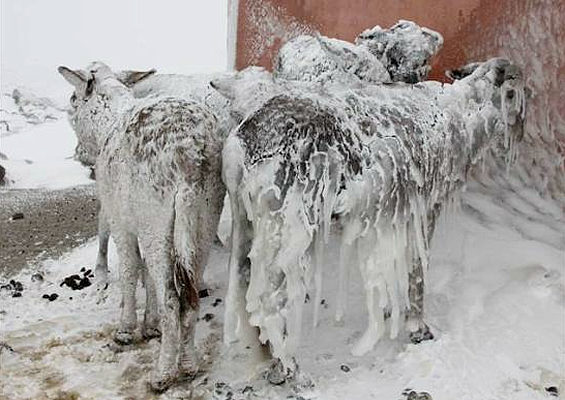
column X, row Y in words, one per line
column 77, row 78
column 130, row 78
column 462, row 72
column 343, row 53
column 225, row 86
column 82, row 81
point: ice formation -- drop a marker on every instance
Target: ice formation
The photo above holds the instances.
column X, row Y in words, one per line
column 386, row 158
column 160, row 188
column 401, row 53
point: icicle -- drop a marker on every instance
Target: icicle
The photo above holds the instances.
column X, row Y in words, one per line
column 319, row 259
column 350, row 230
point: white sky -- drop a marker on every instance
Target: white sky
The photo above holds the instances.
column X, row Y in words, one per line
column 174, row 36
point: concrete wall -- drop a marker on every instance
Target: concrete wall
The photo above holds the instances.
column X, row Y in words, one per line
column 530, row 32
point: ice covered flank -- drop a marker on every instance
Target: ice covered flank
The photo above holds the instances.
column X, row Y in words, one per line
column 495, row 303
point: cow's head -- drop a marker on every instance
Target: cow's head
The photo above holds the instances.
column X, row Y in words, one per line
column 94, row 87
column 405, row 49
column 246, row 90
column 497, row 84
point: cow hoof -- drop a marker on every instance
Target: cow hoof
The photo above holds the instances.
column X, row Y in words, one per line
column 277, row 374
column 150, row 333
column 423, row 333
column 101, row 292
column 161, row 382
column 123, row 337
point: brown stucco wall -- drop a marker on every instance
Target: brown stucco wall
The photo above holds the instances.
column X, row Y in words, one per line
column 530, row 32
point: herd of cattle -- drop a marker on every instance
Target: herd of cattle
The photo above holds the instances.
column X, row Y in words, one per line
column 337, row 130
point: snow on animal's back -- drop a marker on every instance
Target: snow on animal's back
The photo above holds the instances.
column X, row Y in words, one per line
column 169, row 139
column 354, row 127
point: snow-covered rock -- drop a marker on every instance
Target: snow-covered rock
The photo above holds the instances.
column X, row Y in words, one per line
column 22, row 109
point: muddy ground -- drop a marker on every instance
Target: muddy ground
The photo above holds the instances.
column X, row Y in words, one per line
column 51, row 222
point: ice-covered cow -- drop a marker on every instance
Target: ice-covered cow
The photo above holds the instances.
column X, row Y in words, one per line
column 386, row 159
column 159, row 184
column 145, row 84
column 401, row 53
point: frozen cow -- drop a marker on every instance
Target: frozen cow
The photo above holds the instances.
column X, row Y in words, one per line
column 386, row 159
column 159, row 184
column 144, row 84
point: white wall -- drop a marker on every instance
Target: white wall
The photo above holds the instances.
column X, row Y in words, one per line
column 183, row 36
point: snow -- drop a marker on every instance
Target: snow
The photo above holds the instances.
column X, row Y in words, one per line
column 495, row 301
column 42, row 157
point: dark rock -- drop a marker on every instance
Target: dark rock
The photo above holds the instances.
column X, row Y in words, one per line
column 75, row 282
column 412, row 395
column 208, row 317
column 37, row 277
column 17, row 216
column 552, row 390
column 50, row 297
column 216, row 302
column 345, row 368
column 17, row 294
column 204, row 293
column 247, row 389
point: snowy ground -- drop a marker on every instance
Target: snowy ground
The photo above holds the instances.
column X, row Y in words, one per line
column 37, row 143
column 495, row 301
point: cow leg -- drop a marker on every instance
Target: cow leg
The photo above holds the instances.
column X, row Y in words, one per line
column 236, row 322
column 126, row 244
column 188, row 359
column 418, row 329
column 101, row 269
column 150, row 327
column 157, row 251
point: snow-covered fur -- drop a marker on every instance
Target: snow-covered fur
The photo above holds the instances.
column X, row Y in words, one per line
column 405, row 49
column 401, row 53
column 387, row 159
column 146, row 84
column 321, row 59
column 160, row 188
